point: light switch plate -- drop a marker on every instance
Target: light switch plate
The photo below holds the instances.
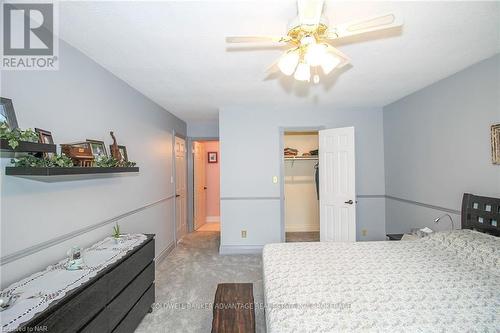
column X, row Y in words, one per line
column 243, row 234
column 275, row 179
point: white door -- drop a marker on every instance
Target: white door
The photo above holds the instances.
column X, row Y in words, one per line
column 337, row 178
column 200, row 185
column 180, row 188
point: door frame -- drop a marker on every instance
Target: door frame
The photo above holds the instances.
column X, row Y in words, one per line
column 190, row 177
column 174, row 178
column 282, row 131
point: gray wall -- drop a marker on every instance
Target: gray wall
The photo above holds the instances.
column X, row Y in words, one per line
column 203, row 129
column 82, row 100
column 250, row 150
column 437, row 146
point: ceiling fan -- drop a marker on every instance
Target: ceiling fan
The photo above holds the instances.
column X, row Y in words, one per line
column 309, row 35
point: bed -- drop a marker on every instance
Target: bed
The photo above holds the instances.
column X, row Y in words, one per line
column 446, row 282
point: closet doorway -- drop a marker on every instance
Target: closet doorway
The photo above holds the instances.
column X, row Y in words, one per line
column 301, row 195
column 206, row 185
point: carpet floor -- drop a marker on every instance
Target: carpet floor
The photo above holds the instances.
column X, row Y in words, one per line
column 186, row 282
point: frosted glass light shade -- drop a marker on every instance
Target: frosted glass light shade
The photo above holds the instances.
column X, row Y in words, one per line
column 329, row 61
column 303, row 72
column 315, row 54
column 288, row 62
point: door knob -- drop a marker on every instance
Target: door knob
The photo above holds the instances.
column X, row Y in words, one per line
column 350, row 202
column 177, row 195
column 204, row 187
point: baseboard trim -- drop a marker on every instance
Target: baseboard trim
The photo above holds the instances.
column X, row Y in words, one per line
column 212, row 219
column 57, row 240
column 240, row 249
column 159, row 258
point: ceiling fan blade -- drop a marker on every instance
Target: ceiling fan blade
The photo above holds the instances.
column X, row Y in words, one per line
column 273, row 68
column 344, row 59
column 309, row 12
column 258, row 39
column 367, row 25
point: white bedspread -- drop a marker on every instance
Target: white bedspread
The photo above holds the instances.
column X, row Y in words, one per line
column 448, row 282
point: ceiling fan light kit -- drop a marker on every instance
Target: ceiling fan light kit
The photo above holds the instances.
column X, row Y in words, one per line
column 309, row 33
column 288, row 62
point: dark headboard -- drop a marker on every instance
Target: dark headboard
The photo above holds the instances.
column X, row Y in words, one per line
column 481, row 213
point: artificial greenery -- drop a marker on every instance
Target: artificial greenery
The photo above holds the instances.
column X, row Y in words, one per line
column 37, row 162
column 110, row 162
column 14, row 136
column 55, row 161
column 116, row 231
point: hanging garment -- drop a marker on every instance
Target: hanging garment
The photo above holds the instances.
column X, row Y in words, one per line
column 316, row 178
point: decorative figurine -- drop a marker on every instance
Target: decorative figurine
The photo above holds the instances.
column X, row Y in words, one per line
column 80, row 153
column 115, row 150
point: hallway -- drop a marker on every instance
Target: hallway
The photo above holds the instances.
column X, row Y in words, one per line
column 186, row 282
column 212, row 226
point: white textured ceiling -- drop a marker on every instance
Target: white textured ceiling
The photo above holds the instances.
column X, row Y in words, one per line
column 175, row 52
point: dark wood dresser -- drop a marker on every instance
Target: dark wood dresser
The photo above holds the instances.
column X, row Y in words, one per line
column 115, row 300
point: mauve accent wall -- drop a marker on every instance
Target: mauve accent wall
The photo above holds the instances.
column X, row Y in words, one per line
column 213, row 182
column 437, row 146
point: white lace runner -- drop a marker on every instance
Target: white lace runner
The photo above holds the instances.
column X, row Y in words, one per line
column 35, row 293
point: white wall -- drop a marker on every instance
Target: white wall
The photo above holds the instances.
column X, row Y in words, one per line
column 250, row 146
column 301, row 200
column 82, row 100
column 437, row 147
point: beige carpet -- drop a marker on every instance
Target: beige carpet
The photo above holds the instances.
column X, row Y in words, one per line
column 186, row 282
column 212, row 226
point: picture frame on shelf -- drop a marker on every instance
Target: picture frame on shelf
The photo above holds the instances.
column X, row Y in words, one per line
column 123, row 152
column 212, row 157
column 7, row 113
column 45, row 137
column 495, row 144
column 98, row 148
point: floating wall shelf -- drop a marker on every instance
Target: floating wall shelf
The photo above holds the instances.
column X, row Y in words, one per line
column 72, row 173
column 28, row 147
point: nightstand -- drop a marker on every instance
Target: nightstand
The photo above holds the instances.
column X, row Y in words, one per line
column 394, row 237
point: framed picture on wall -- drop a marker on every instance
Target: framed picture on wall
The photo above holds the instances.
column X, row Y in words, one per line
column 212, row 157
column 495, row 144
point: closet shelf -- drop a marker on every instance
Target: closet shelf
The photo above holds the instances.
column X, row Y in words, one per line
column 302, row 158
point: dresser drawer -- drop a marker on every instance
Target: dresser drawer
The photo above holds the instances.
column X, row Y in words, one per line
column 79, row 310
column 122, row 304
column 97, row 325
column 122, row 275
column 140, row 309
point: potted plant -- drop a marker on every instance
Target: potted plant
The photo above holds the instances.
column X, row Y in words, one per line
column 116, row 233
